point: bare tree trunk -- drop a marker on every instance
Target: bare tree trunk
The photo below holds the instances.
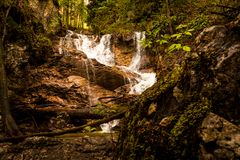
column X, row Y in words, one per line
column 169, row 16
column 9, row 123
column 67, row 14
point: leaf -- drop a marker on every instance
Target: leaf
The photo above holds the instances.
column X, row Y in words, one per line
column 166, row 36
column 181, row 26
column 177, row 35
column 190, row 30
column 178, row 46
column 174, row 35
column 173, row 47
column 188, row 33
column 186, row 48
column 163, row 41
column 147, row 43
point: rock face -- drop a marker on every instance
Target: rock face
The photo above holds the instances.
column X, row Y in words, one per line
column 107, row 77
column 220, row 138
column 222, row 46
column 45, row 12
column 64, row 80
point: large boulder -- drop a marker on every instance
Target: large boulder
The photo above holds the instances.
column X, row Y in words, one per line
column 220, row 138
column 221, row 47
column 108, row 77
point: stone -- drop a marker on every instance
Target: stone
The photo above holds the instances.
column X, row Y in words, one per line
column 221, row 47
column 108, row 77
column 220, row 137
column 223, row 154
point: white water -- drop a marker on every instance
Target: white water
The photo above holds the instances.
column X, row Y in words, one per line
column 86, row 2
column 93, row 49
column 101, row 51
column 88, row 85
column 136, row 60
column 146, row 80
column 107, row 127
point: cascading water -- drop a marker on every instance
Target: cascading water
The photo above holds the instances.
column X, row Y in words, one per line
column 88, row 78
column 86, row 2
column 60, row 50
column 101, row 51
column 107, row 127
column 136, row 60
column 145, row 80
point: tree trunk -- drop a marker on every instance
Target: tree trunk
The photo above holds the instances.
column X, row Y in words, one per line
column 8, row 121
column 67, row 14
column 169, row 17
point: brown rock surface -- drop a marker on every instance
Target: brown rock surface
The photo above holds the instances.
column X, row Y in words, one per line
column 220, row 138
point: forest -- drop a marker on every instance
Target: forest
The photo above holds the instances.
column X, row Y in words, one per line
column 120, row 79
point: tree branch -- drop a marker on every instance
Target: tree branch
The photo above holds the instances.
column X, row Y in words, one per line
column 4, row 23
column 71, row 130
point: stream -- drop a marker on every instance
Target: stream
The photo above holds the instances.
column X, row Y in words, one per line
column 99, row 48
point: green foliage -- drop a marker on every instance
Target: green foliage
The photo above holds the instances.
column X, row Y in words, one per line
column 199, row 22
column 42, row 42
column 73, row 13
column 121, row 16
column 7, row 3
column 171, row 42
column 191, row 116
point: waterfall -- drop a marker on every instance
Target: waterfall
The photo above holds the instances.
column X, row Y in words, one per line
column 145, row 80
column 107, row 127
column 61, row 42
column 86, row 2
column 101, row 51
column 136, row 60
column 88, row 78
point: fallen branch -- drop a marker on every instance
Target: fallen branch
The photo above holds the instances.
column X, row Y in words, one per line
column 74, row 113
column 111, row 98
column 61, row 132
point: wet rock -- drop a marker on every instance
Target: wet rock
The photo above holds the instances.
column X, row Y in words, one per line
column 107, row 77
column 94, row 91
column 220, row 137
column 123, row 55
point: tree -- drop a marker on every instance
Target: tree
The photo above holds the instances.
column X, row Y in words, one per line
column 73, row 13
column 169, row 16
column 10, row 125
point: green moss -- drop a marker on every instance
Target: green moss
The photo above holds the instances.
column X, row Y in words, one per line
column 193, row 114
column 42, row 41
column 135, row 132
